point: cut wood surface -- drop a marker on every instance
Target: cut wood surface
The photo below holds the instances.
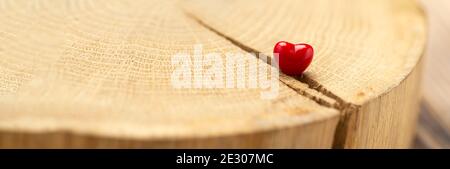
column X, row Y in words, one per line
column 434, row 129
column 75, row 73
column 366, row 53
column 98, row 74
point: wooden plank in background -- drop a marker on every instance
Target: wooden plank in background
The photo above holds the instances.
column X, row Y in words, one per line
column 434, row 126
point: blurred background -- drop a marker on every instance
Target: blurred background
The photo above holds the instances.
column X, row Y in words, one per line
column 433, row 130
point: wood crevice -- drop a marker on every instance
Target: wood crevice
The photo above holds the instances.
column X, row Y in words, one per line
column 345, row 108
column 312, row 84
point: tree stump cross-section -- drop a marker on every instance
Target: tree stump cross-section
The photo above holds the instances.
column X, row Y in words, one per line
column 98, row 74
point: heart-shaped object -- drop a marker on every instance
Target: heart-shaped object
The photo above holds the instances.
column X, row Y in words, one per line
column 293, row 59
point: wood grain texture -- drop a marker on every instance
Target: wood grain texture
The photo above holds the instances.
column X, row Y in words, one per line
column 366, row 53
column 434, row 129
column 388, row 121
column 97, row 74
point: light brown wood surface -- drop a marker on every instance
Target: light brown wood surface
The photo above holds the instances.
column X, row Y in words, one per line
column 434, row 129
column 367, row 51
column 102, row 69
column 97, row 74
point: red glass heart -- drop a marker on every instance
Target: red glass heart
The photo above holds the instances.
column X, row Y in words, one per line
column 293, row 59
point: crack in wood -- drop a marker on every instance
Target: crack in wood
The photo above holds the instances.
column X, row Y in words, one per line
column 251, row 50
column 344, row 107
